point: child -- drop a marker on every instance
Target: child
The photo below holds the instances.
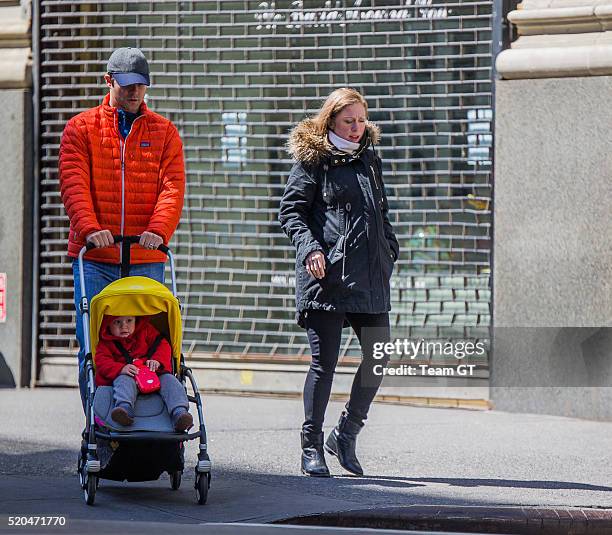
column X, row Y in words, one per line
column 128, row 336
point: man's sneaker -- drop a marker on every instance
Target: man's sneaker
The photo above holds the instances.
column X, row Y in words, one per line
column 121, row 416
column 183, row 422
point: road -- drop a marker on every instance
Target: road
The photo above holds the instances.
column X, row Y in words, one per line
column 411, row 456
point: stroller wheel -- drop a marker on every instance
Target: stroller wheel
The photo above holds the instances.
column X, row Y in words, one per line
column 202, row 484
column 175, row 480
column 89, row 488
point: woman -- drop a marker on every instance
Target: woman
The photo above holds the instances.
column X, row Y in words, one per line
column 335, row 212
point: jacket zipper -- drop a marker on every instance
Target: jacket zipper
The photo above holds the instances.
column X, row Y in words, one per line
column 122, row 144
column 325, row 192
column 344, row 242
column 375, row 179
column 377, row 229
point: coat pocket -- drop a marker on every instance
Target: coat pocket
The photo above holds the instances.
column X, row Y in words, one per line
column 387, row 251
column 337, row 251
column 333, row 269
column 387, row 261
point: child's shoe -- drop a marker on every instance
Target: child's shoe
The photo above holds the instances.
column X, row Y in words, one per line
column 182, row 421
column 121, row 416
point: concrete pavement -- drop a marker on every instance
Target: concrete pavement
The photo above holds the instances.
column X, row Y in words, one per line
column 412, row 457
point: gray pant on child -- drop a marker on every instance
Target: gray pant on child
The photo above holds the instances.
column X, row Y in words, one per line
column 171, row 391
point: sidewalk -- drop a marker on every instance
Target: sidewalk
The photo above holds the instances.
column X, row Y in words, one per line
column 466, row 460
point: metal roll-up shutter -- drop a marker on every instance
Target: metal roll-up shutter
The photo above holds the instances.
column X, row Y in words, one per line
column 234, row 76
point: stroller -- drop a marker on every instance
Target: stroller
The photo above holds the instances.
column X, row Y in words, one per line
column 151, row 446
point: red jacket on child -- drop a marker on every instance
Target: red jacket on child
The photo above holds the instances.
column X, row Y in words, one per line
column 109, row 361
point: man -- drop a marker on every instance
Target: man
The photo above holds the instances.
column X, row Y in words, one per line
column 121, row 171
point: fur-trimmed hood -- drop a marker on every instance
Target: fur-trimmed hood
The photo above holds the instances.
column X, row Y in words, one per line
column 307, row 146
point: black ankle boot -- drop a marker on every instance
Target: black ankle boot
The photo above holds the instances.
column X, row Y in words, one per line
column 313, row 458
column 341, row 443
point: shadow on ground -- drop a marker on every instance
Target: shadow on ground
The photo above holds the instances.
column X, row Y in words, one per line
column 40, row 480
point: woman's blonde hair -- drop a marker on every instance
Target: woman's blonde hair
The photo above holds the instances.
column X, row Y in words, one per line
column 334, row 103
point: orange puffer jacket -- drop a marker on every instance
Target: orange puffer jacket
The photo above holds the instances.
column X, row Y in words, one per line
column 125, row 186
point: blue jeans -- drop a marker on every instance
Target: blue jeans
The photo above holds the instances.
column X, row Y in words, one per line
column 97, row 277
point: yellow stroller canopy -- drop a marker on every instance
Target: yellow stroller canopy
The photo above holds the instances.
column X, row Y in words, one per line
column 138, row 296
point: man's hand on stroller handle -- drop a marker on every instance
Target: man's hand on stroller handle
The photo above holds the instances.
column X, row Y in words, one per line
column 130, row 369
column 101, row 238
column 105, row 238
column 148, row 240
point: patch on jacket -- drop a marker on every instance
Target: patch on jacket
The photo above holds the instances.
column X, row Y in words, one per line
column 145, row 143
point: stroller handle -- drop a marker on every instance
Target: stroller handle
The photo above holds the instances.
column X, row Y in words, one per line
column 127, row 241
column 117, row 238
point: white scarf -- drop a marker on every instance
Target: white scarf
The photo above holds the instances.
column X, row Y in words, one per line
column 342, row 144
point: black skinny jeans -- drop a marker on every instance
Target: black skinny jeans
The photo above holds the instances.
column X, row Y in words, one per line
column 324, row 330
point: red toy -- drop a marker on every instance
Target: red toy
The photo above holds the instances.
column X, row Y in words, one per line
column 146, row 380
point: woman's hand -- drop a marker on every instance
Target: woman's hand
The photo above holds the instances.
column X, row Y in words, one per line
column 315, row 264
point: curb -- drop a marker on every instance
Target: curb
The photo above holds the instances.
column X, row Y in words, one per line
column 470, row 519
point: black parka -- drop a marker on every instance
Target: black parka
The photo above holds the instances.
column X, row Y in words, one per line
column 336, row 203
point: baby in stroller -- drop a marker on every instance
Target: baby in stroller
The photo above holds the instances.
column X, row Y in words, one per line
column 128, row 339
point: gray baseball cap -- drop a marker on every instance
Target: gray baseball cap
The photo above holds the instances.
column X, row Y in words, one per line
column 129, row 66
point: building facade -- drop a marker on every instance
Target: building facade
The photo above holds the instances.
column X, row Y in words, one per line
column 234, row 76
